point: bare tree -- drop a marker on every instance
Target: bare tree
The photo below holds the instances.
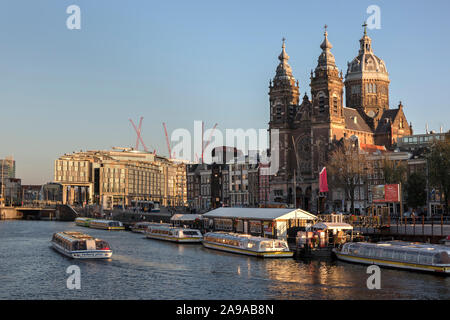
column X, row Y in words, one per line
column 346, row 166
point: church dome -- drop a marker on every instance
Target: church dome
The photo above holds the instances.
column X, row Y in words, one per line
column 366, row 65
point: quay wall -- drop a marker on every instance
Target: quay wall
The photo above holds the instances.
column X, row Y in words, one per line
column 7, row 213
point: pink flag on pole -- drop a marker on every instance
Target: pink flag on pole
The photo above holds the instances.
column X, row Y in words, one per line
column 323, row 184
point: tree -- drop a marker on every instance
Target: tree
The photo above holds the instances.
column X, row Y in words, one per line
column 439, row 168
column 415, row 188
column 394, row 172
column 346, row 167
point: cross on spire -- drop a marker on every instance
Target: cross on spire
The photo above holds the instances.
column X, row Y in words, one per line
column 365, row 27
column 325, row 27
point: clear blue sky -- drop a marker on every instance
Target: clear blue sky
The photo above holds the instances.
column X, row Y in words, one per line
column 178, row 61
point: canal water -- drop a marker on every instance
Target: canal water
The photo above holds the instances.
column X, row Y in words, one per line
column 150, row 269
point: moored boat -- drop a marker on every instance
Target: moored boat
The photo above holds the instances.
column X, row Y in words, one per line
column 398, row 254
column 106, row 225
column 82, row 221
column 248, row 245
column 173, row 234
column 141, row 227
column 79, row 245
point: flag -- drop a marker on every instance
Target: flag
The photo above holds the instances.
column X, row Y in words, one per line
column 323, row 184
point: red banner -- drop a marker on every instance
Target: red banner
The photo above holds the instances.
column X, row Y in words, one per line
column 323, row 184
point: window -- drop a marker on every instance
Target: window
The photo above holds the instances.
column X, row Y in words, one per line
column 321, row 104
column 335, row 105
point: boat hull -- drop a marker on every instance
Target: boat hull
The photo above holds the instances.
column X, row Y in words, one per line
column 83, row 254
column 260, row 254
column 392, row 264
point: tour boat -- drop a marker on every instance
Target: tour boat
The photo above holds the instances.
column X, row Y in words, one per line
column 106, row 224
column 173, row 234
column 398, row 254
column 141, row 227
column 246, row 244
column 78, row 245
column 81, row 221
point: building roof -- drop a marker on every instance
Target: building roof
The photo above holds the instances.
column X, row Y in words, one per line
column 354, row 121
column 371, row 148
column 260, row 213
column 386, row 120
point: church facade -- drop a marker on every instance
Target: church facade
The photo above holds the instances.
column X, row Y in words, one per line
column 308, row 127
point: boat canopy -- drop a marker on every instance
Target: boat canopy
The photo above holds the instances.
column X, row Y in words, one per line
column 338, row 226
column 186, row 217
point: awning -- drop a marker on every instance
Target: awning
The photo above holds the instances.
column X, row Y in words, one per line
column 332, row 226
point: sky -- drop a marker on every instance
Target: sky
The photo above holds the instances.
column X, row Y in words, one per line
column 172, row 61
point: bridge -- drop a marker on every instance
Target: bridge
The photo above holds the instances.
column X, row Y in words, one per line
column 51, row 212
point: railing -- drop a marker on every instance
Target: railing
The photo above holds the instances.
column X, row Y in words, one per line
column 434, row 226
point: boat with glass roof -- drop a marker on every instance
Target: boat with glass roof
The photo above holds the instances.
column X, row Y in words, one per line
column 398, row 254
column 173, row 234
column 247, row 244
column 79, row 245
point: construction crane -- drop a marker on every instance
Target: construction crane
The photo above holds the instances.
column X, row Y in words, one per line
column 138, row 133
column 167, row 140
column 204, row 145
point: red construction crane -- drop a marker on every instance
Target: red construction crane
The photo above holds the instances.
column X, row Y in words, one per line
column 138, row 133
column 167, row 140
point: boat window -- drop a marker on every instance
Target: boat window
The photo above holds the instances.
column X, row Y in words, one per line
column 388, row 253
column 398, row 255
column 250, row 244
column 425, row 258
column 411, row 257
column 266, row 245
column 100, row 244
column 280, row 244
column 190, row 232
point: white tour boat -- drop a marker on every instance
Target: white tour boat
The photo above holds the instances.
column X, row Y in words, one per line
column 82, row 221
column 106, row 224
column 141, row 227
column 173, row 234
column 78, row 245
column 246, row 244
column 398, row 254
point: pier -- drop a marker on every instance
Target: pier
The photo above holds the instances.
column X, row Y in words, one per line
column 419, row 229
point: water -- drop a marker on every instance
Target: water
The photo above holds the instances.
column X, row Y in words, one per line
column 150, row 269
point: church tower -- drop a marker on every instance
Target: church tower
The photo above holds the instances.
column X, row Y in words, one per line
column 367, row 83
column 327, row 88
column 284, row 103
column 284, row 94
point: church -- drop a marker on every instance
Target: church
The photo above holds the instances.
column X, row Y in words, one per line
column 308, row 127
